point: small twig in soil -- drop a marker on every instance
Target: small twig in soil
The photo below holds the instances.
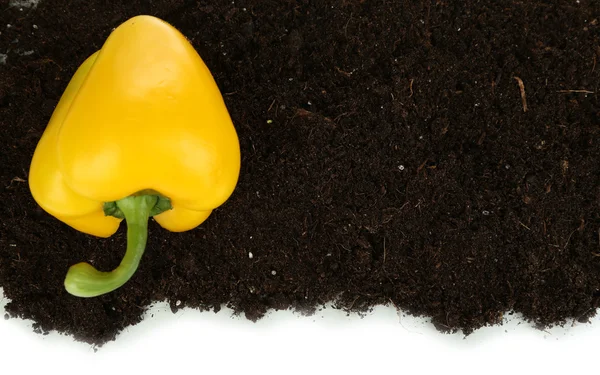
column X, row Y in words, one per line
column 577, row 91
column 47, row 61
column 410, row 87
column 564, row 167
column 271, row 106
column 569, row 239
column 15, row 179
column 346, row 27
column 522, row 89
column 581, row 225
column 353, row 302
column 422, row 166
column 524, row 226
column 347, row 74
column 342, row 115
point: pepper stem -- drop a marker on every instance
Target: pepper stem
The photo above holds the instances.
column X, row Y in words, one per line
column 83, row 280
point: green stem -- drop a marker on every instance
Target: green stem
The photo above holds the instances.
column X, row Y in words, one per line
column 83, row 280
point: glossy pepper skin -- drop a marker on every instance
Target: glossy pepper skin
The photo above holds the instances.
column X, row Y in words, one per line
column 142, row 114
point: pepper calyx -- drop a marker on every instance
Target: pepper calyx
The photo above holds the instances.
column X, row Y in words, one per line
column 162, row 204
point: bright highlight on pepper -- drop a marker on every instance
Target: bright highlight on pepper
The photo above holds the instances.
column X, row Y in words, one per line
column 141, row 131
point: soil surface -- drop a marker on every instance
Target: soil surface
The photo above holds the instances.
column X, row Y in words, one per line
column 431, row 155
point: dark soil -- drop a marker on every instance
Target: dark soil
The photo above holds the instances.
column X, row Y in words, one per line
column 387, row 159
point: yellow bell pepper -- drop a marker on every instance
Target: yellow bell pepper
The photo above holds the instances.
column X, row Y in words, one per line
column 141, row 130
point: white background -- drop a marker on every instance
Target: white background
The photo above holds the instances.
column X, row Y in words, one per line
column 329, row 342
